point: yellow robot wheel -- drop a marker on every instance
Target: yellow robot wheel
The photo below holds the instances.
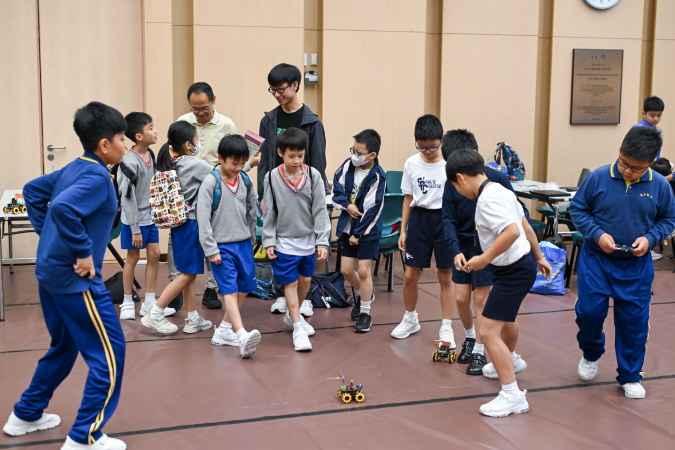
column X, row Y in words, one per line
column 359, row 397
column 346, row 398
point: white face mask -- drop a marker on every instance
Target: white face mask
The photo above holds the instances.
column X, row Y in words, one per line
column 358, row 161
column 197, row 148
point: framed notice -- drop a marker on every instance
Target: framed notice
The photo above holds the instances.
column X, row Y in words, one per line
column 596, row 86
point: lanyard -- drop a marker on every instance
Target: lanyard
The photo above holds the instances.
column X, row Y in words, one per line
column 352, row 199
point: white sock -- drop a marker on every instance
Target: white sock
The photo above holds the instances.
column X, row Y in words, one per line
column 193, row 315
column 479, row 348
column 241, row 332
column 365, row 307
column 156, row 311
column 225, row 325
column 471, row 334
column 150, row 297
column 513, row 355
column 511, row 388
column 297, row 326
column 128, row 299
column 447, row 322
column 412, row 313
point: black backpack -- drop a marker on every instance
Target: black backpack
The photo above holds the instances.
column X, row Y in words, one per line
column 133, row 179
column 116, row 288
column 327, row 290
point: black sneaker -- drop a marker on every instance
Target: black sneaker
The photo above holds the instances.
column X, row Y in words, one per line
column 356, row 310
column 363, row 323
column 476, row 364
column 210, row 299
column 177, row 302
column 467, row 348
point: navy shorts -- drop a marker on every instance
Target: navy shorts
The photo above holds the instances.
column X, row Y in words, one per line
column 188, row 254
column 236, row 271
column 288, row 267
column 483, row 276
column 368, row 248
column 150, row 235
column 511, row 285
column 426, row 235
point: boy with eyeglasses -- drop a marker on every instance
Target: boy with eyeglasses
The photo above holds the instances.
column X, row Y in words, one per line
column 614, row 260
column 284, row 81
column 359, row 185
column 422, row 234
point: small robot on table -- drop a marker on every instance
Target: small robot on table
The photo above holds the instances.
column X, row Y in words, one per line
column 14, row 207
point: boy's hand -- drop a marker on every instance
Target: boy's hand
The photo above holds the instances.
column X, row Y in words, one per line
column 254, row 160
column 353, row 240
column 270, row 252
column 85, row 267
column 640, row 246
column 401, row 241
column 460, row 261
column 215, row 259
column 475, row 263
column 606, row 242
column 353, row 211
column 137, row 240
column 544, row 267
column 321, row 253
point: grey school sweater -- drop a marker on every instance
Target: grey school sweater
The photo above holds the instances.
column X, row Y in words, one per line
column 301, row 212
column 233, row 220
column 136, row 208
column 191, row 172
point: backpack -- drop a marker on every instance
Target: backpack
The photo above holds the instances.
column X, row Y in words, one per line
column 116, row 288
column 133, row 179
column 327, row 290
column 167, row 204
column 512, row 162
column 265, row 289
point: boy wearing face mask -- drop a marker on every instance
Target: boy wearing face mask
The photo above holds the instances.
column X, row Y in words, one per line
column 358, row 190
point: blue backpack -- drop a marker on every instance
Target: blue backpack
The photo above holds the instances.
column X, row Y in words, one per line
column 218, row 191
column 512, row 163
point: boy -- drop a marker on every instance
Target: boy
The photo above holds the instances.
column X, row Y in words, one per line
column 73, row 210
column 358, row 190
column 422, row 227
column 226, row 232
column 138, row 230
column 509, row 244
column 459, row 224
column 294, row 225
column 614, row 259
column 651, row 116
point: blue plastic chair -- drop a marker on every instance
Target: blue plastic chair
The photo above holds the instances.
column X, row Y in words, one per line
column 391, row 231
column 394, row 181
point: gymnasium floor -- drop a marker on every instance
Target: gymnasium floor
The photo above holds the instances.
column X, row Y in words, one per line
column 180, row 392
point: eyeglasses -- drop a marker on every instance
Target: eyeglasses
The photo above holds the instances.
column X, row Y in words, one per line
column 635, row 170
column 353, row 151
column 280, row 91
column 430, row 149
column 205, row 109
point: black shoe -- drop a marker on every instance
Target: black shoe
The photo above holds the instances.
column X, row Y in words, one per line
column 467, row 348
column 363, row 323
column 356, row 310
column 210, row 299
column 177, row 302
column 476, row 364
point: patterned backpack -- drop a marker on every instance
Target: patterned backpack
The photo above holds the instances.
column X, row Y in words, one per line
column 513, row 164
column 167, row 204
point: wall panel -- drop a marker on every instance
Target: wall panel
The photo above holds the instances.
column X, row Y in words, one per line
column 663, row 69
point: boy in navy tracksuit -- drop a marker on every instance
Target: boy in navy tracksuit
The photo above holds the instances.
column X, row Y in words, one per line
column 614, row 260
column 358, row 190
column 73, row 210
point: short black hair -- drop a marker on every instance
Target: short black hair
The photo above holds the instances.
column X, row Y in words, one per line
column 96, row 121
column 136, row 121
column 200, row 88
column 456, row 140
column 653, row 104
column 234, row 146
column 662, row 166
column 371, row 139
column 464, row 161
column 428, row 127
column 292, row 139
column 641, row 144
column 284, row 73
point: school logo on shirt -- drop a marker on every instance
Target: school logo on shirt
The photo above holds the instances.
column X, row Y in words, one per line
column 425, row 184
column 646, row 194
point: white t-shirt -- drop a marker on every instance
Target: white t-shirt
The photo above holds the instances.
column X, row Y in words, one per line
column 297, row 246
column 424, row 181
column 359, row 176
column 498, row 208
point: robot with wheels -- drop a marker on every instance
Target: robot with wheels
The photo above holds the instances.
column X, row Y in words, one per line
column 444, row 353
column 14, row 207
column 349, row 392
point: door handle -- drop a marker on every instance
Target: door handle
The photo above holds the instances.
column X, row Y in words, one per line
column 51, row 148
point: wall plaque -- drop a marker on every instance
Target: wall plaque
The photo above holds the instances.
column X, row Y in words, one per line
column 596, row 86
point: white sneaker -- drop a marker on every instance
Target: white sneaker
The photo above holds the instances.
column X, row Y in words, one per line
column 279, row 306
column 519, row 365
column 225, row 336
column 505, row 404
column 306, row 309
column 446, row 334
column 193, row 326
column 634, row 390
column 409, row 325
column 127, row 311
column 308, row 328
column 301, row 341
column 105, row 442
column 18, row 427
column 248, row 342
column 587, row 369
column 145, row 309
column 656, row 256
column 160, row 324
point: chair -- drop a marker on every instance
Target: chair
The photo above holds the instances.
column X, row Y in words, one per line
column 391, row 230
column 577, row 242
column 547, row 212
column 539, row 228
column 394, row 181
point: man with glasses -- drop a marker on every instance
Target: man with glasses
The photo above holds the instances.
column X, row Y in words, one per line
column 284, row 82
column 623, row 210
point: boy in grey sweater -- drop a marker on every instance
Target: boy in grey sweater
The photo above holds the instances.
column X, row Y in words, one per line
column 226, row 215
column 294, row 226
